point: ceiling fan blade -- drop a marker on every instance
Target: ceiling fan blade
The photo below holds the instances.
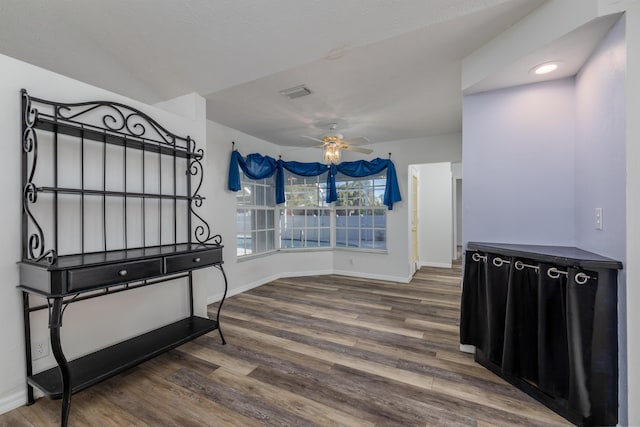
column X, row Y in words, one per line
column 313, row 138
column 357, row 140
column 358, row 149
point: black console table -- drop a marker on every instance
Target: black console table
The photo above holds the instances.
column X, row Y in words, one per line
column 115, row 190
column 544, row 318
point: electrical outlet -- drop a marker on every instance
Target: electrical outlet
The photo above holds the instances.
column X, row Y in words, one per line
column 40, row 349
column 598, row 218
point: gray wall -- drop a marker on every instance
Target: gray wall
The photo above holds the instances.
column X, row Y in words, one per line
column 538, row 159
column 518, row 164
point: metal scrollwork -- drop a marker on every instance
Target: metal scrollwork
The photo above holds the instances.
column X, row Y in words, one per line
column 35, row 242
column 29, row 136
column 30, row 113
column 119, row 118
column 202, row 231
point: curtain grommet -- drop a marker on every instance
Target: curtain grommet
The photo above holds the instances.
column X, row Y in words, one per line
column 582, row 278
column 499, row 262
column 477, row 257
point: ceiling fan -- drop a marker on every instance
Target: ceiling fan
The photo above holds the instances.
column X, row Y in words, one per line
column 333, row 143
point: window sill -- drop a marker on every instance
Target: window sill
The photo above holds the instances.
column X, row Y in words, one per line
column 320, row 249
column 243, row 258
column 365, row 250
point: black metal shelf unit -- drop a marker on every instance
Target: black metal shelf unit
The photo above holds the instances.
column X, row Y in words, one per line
column 108, row 206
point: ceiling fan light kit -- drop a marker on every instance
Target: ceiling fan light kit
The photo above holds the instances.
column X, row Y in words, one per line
column 331, row 153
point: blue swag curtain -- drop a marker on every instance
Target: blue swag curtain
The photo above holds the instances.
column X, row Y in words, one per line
column 257, row 166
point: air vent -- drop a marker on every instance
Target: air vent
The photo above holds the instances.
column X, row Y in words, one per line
column 296, row 92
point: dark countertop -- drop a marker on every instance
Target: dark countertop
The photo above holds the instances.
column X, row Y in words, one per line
column 561, row 255
column 99, row 258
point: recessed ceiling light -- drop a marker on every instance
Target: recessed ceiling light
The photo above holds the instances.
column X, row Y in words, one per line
column 545, row 68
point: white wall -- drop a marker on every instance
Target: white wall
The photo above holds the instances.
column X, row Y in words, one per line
column 435, row 202
column 87, row 325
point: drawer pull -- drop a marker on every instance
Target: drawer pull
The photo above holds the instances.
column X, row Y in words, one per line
column 196, row 260
column 122, row 273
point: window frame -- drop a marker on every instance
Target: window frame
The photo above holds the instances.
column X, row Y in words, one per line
column 369, row 198
column 373, row 203
column 261, row 193
column 315, row 202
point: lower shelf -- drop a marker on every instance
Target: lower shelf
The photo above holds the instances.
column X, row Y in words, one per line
column 95, row 367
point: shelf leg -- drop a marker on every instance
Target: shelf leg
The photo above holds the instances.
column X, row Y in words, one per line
column 27, row 345
column 221, row 302
column 54, row 329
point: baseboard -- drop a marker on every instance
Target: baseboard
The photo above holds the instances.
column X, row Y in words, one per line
column 244, row 288
column 467, row 348
column 434, row 264
column 305, row 273
column 382, row 277
column 13, row 400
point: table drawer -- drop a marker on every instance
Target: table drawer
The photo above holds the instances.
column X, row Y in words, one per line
column 193, row 260
column 110, row 274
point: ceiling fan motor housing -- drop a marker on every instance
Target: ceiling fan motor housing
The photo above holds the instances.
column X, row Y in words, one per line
column 332, row 139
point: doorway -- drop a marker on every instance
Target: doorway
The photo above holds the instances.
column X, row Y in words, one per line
column 431, row 215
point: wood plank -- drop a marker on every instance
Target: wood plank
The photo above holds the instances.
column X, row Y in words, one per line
column 308, row 409
column 319, row 350
column 15, row 419
column 234, row 399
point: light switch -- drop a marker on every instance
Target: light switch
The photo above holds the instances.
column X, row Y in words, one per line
column 598, row 218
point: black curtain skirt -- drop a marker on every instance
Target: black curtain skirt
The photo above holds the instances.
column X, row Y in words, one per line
column 535, row 321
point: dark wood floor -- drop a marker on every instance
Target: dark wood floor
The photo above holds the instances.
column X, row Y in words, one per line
column 323, row 350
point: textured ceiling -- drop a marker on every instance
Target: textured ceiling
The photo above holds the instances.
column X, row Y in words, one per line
column 407, row 86
column 385, row 69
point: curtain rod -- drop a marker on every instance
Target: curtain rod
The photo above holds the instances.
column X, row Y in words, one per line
column 553, row 272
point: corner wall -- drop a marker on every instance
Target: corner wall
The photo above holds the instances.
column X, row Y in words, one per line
column 245, row 274
column 600, row 168
column 248, row 273
column 594, row 150
column 518, row 163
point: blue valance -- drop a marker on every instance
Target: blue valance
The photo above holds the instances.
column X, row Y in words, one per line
column 257, row 166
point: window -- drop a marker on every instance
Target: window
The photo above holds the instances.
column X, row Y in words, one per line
column 306, row 220
column 361, row 216
column 255, row 216
column 358, row 219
